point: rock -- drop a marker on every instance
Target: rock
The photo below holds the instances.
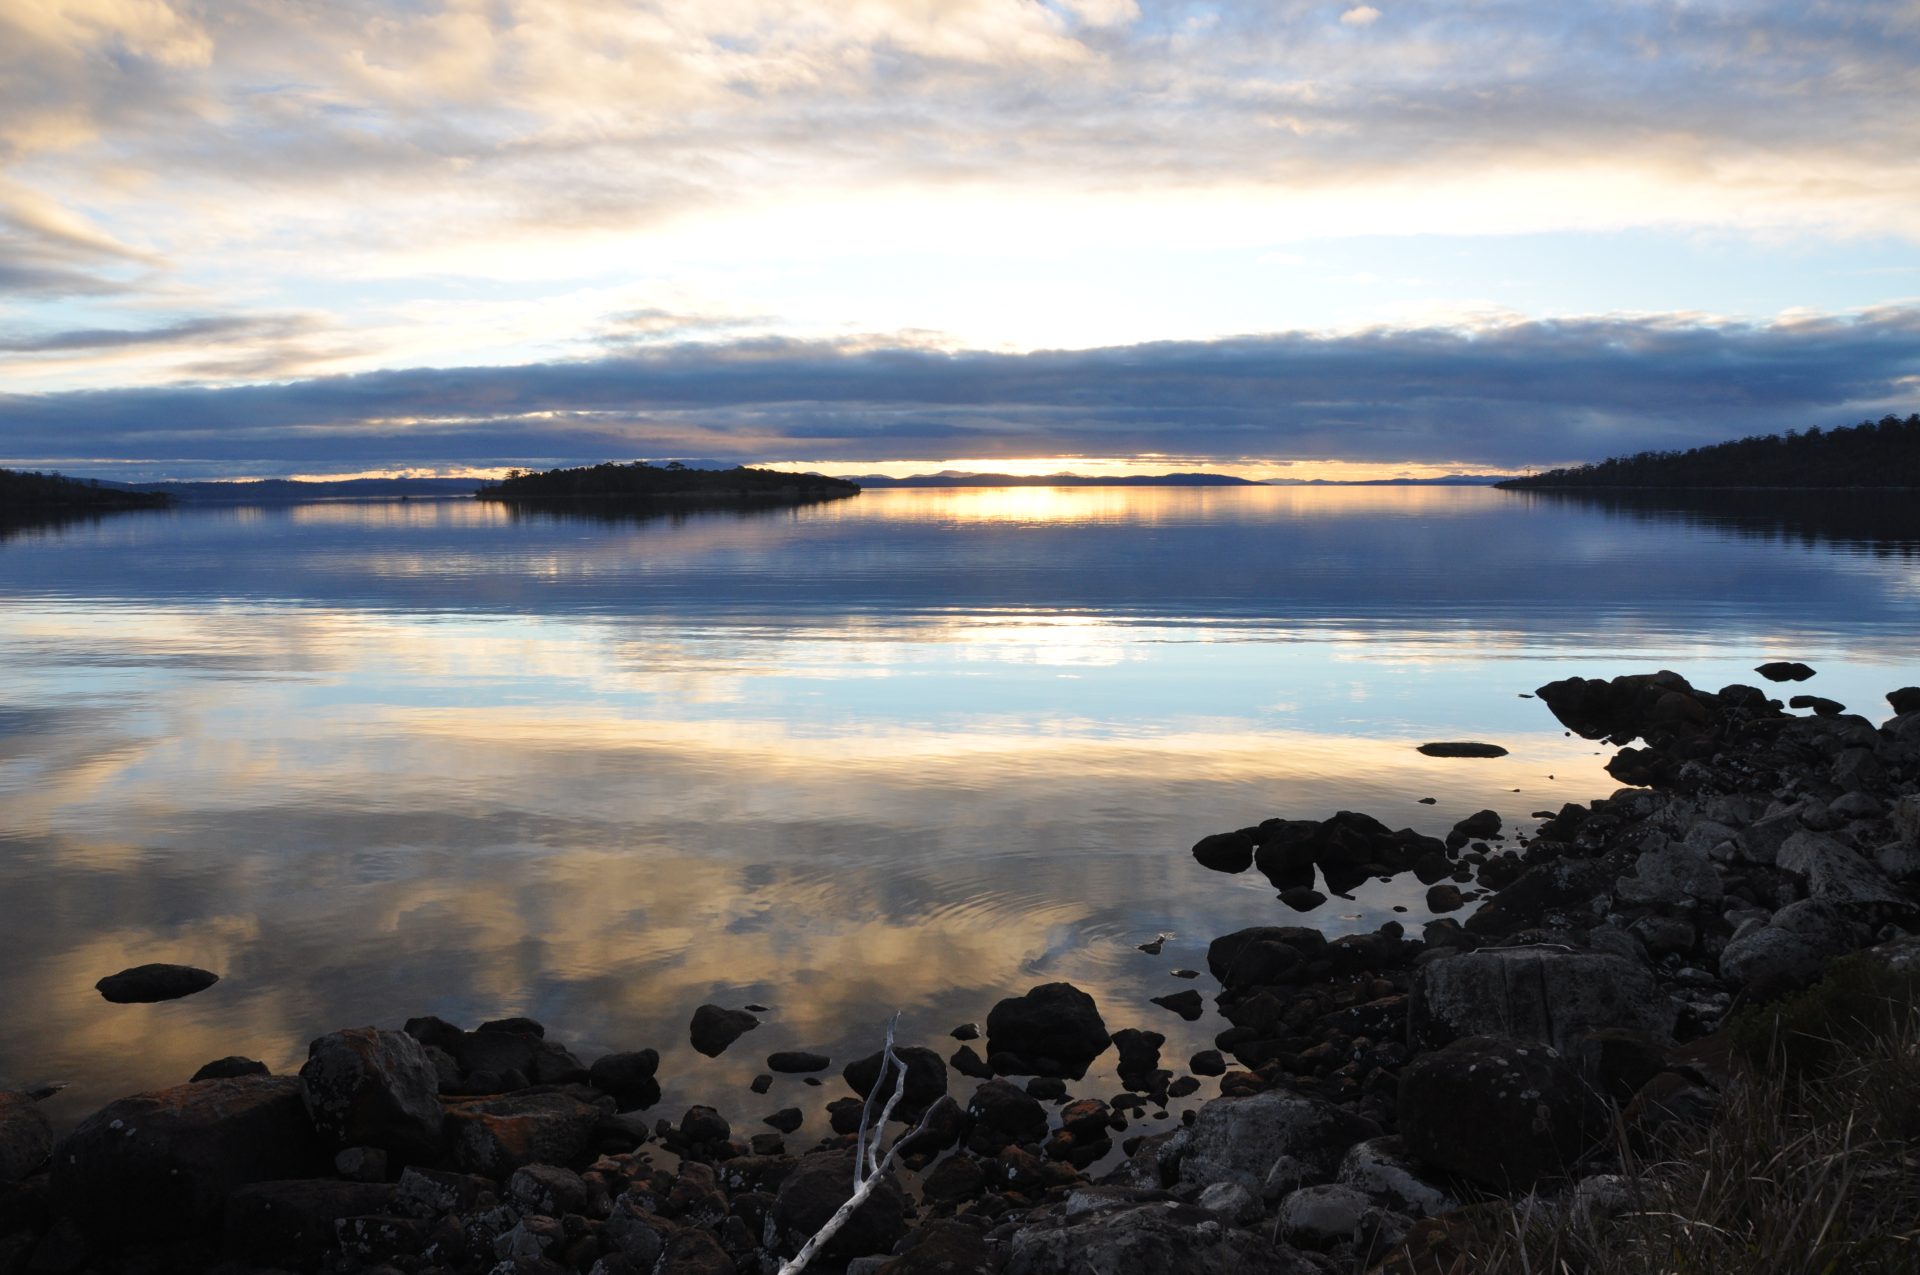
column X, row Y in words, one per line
column 629, row 1078
column 26, row 1139
column 692, row 1252
column 958, row 1177
column 1533, row 994
column 1188, row 1004
column 1231, row 1203
column 926, row 1079
column 294, row 1223
column 1139, row 1050
column 713, row 1028
column 1835, row 873
column 1047, row 1088
column 548, row 1189
column 146, row 984
column 702, row 1124
column 794, row 1062
column 1262, row 954
column 1499, row 1112
column 1003, row 1114
column 1790, row 951
column 1905, row 700
column 786, row 1120
column 1302, row 898
column 495, row 1136
column 1444, row 897
column 1319, row 1216
column 940, row 1247
column 1053, row 1030
column 1225, row 851
column 1127, row 1238
column 1478, row 826
column 967, row 1061
column 1152, row 946
column 1239, row 1139
column 966, row 1031
column 361, row 1164
column 1462, row 748
column 169, row 1159
column 1207, row 1062
column 1674, row 874
column 371, row 1088
column 1784, row 671
column 230, row 1066
column 1381, row 1169
column 811, row 1194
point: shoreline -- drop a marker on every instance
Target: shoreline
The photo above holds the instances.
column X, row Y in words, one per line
column 1615, row 937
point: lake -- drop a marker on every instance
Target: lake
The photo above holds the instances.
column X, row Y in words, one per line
column 914, row 751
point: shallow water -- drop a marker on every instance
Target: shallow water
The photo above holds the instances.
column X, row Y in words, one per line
column 913, row 751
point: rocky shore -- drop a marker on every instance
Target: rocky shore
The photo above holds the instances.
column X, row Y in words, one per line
column 1377, row 1081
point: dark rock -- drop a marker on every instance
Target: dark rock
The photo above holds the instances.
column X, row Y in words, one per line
column 1139, row 1050
column 1822, row 707
column 1184, row 973
column 815, row 1190
column 958, row 1177
column 1262, row 954
column 293, row 1223
column 1152, row 946
column 1462, row 748
column 1669, row 1104
column 1618, row 1061
column 1188, row 1003
column 1053, row 1030
column 1243, row 1139
column 761, row 1083
column 843, row 1114
column 231, row 1066
column 786, row 1120
column 26, row 1139
column 1302, row 898
column 495, row 1136
column 555, row 1064
column 1478, row 826
column 704, row 1125
column 966, row 1031
column 1161, row 1236
column 967, row 1061
column 713, row 1028
column 1905, row 700
column 361, row 1164
column 1498, row 1112
column 1003, row 1114
column 941, row 1127
column 692, row 1252
column 438, row 1032
column 796, row 1062
column 1225, row 851
column 941, row 1247
column 169, row 1159
column 1784, row 671
column 926, row 1079
column 628, row 1078
column 366, row 1087
column 1207, row 1062
column 1534, row 994
column 146, row 984
column 1047, row 1088
column 514, row 1027
column 1444, row 897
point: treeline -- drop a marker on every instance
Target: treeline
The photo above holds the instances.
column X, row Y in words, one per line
column 640, row 482
column 30, row 492
column 1882, row 453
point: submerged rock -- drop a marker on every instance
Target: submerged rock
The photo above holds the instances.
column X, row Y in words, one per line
column 147, row 984
column 1462, row 748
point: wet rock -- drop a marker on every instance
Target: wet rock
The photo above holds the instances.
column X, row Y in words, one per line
column 1533, row 994
column 1262, row 954
column 1821, row 706
column 366, row 1087
column 1161, row 1236
column 146, row 984
column 629, row 1078
column 1784, row 671
column 495, row 1136
column 1207, row 1062
column 966, row 1031
column 958, row 1177
column 26, row 1138
column 786, row 1120
column 1047, row 1088
column 1004, row 1114
column 703, row 1124
column 293, row 1222
column 926, row 1079
column 1053, row 1030
column 1187, row 1004
column 1444, row 897
column 941, row 1127
column 1462, row 748
column 714, row 1028
column 1240, row 1139
column 1499, row 1112
column 1478, row 826
column 170, row 1158
column 967, row 1061
column 795, row 1062
column 1139, row 1050
column 1905, row 700
column 843, row 1114
column 1302, row 898
column 1225, row 851
column 815, row 1190
column 694, row 1253
column 229, row 1067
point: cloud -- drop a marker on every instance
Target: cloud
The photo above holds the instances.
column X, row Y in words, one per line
column 184, row 332
column 1364, row 15
column 1510, row 394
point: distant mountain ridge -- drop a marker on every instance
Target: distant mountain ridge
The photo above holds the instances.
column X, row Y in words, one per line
column 1882, row 453
column 957, row 478
column 24, row 492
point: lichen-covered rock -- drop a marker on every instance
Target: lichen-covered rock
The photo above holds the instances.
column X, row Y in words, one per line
column 495, row 1136
column 1053, row 1030
column 1537, row 994
column 366, row 1087
column 1836, row 873
column 1240, row 1139
column 1500, row 1112
column 1382, row 1170
column 1319, row 1216
column 162, row 1164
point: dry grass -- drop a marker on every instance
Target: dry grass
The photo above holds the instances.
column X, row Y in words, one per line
column 1811, row 1170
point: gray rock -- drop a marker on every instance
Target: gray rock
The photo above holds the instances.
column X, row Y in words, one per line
column 1501, row 1113
column 1905, row 817
column 1240, row 1139
column 1319, row 1216
column 366, row 1087
column 1836, row 873
column 1856, row 769
column 1674, row 874
column 1900, row 860
column 1381, row 1169
column 1164, row 1237
column 1857, row 805
column 1761, row 840
column 1533, row 994
column 1231, row 1202
column 26, row 1138
column 1771, row 958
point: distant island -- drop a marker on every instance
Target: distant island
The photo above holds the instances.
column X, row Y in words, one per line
column 1882, row 453
column 959, row 478
column 639, row 485
column 288, row 491
column 27, row 493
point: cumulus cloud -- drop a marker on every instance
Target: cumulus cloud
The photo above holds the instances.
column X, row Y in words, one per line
column 1513, row 394
column 1364, row 15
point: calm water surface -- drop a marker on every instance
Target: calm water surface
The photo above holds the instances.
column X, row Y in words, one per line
column 913, row 751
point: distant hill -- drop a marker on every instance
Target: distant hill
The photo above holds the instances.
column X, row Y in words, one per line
column 28, row 493
column 279, row 491
column 1445, row 480
column 640, row 484
column 1882, row 453
column 955, row 478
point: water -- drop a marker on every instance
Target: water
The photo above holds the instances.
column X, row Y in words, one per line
column 913, row 751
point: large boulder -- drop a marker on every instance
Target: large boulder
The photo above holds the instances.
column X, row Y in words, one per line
column 814, row 1192
column 495, row 1136
column 366, row 1087
column 629, row 1077
column 1498, row 1112
column 25, row 1136
column 1003, row 1114
column 1790, row 951
column 1262, row 955
column 1677, row 874
column 1128, row 1237
column 1836, row 873
column 1053, row 1030
column 926, row 1079
column 1243, row 1139
column 1537, row 994
column 161, row 1165
column 1382, row 1169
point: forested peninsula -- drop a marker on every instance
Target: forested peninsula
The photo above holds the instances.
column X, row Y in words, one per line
column 640, row 485
column 23, row 492
column 1882, row 453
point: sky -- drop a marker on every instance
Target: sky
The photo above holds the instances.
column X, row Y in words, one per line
column 250, row 238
